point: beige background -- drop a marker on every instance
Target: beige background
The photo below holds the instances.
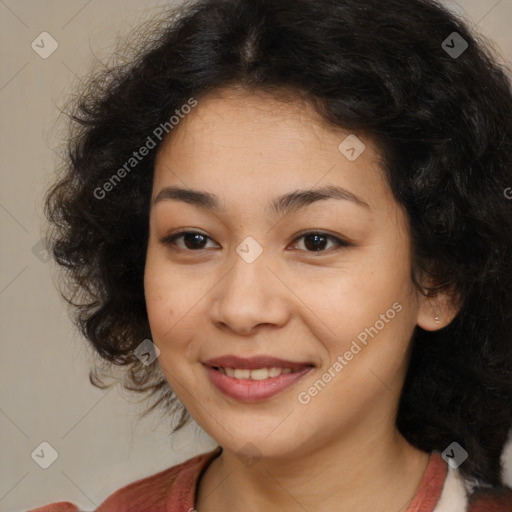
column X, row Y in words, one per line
column 46, row 395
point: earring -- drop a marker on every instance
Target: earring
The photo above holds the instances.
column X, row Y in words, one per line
column 437, row 319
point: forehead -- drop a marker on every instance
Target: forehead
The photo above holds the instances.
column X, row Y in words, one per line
column 241, row 121
column 234, row 139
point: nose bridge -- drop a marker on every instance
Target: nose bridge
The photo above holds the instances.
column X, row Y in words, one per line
column 250, row 294
column 249, row 279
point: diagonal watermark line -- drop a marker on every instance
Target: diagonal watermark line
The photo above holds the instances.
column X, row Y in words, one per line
column 300, row 505
column 216, row 487
column 105, row 394
column 334, row 334
column 279, row 424
column 13, row 13
column 70, row 69
column 178, row 177
column 489, row 11
column 14, row 218
column 13, row 279
column 76, row 14
column 86, row 495
column 5, row 495
column 11, row 79
column 405, row 507
column 198, row 403
column 378, row 378
column 13, row 423
column 222, row 221
column 318, row 181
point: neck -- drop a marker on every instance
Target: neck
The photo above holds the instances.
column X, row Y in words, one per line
column 357, row 473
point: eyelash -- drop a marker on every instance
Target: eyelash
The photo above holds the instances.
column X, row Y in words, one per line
column 171, row 239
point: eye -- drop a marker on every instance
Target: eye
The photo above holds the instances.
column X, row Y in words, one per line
column 192, row 240
column 316, row 241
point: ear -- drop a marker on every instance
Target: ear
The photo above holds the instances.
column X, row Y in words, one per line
column 437, row 311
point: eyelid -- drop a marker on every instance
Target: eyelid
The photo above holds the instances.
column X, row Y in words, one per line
column 169, row 239
column 339, row 241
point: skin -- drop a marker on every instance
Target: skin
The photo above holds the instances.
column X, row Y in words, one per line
column 340, row 451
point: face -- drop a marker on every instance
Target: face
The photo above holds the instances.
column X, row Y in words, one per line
column 283, row 315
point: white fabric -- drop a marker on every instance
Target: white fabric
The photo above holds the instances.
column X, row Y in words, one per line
column 454, row 495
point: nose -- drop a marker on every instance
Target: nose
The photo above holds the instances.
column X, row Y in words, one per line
column 250, row 296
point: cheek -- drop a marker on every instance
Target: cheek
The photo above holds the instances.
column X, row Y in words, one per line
column 375, row 305
column 173, row 301
column 155, row 294
column 164, row 298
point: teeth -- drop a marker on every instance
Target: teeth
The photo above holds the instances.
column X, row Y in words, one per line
column 242, row 374
column 259, row 374
column 274, row 372
column 256, row 374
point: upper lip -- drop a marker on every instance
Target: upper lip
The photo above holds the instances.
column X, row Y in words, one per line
column 252, row 363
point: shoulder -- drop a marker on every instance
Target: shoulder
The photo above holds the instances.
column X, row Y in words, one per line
column 459, row 494
column 61, row 506
column 495, row 499
column 152, row 493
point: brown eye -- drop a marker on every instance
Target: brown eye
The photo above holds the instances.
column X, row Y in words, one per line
column 318, row 241
column 315, row 242
column 192, row 240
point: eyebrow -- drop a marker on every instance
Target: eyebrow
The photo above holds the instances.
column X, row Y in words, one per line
column 283, row 204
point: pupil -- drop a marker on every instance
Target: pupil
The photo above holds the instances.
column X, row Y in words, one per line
column 196, row 240
column 314, row 246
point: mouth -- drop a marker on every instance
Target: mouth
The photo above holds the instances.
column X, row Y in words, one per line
column 256, row 374
column 254, row 379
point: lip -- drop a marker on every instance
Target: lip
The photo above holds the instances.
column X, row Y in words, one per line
column 248, row 390
column 252, row 363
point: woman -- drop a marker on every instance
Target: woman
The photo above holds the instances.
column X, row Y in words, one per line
column 302, row 205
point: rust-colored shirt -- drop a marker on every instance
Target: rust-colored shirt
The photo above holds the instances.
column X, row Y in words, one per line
column 174, row 489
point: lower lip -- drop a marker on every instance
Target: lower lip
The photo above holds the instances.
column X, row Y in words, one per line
column 249, row 390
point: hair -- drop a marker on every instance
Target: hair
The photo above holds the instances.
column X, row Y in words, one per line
column 443, row 124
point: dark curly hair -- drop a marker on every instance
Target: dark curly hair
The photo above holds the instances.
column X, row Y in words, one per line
column 442, row 122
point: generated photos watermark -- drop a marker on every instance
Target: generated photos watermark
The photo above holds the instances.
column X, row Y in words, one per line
column 455, row 455
column 137, row 156
column 304, row 397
